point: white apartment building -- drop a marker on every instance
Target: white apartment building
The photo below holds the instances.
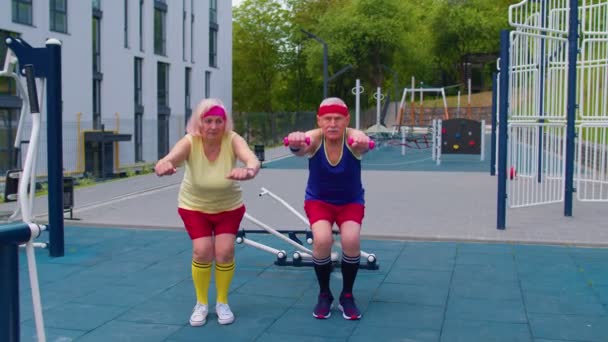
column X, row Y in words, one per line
column 133, row 67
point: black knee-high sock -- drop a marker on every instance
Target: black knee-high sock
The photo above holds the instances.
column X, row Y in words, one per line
column 323, row 271
column 350, row 266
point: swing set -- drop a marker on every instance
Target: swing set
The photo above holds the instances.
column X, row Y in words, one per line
column 417, row 117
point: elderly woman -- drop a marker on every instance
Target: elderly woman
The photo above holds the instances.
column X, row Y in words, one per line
column 210, row 201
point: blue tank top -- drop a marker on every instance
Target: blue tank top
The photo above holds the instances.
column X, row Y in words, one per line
column 335, row 184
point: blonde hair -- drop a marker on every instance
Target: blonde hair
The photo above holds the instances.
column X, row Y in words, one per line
column 195, row 124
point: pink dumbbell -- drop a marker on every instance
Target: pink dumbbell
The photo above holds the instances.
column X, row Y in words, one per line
column 372, row 143
column 286, row 141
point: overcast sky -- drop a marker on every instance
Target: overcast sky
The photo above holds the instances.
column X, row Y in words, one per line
column 236, row 2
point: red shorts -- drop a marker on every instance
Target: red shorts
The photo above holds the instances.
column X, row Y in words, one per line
column 199, row 224
column 319, row 210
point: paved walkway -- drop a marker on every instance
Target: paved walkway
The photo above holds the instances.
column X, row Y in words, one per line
column 446, row 273
column 411, row 205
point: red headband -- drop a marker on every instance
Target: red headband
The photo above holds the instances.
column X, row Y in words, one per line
column 217, row 111
column 333, row 109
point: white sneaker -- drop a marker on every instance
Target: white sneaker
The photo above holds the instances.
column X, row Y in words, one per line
column 224, row 314
column 199, row 315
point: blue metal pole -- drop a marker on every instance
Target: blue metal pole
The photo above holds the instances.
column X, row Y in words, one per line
column 55, row 149
column 494, row 118
column 572, row 106
column 14, row 233
column 9, row 293
column 501, row 211
column 11, row 236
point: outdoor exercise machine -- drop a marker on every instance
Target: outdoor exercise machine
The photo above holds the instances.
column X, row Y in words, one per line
column 301, row 255
column 14, row 234
column 46, row 66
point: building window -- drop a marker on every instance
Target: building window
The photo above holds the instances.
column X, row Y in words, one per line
column 184, row 18
column 97, row 76
column 212, row 47
column 207, row 84
column 187, row 94
column 10, row 105
column 213, row 11
column 163, row 108
column 126, row 23
column 163, row 85
column 163, row 135
column 7, row 84
column 9, row 120
column 160, row 28
column 141, row 25
column 138, row 138
column 22, row 11
column 213, row 28
column 58, row 12
column 137, row 82
column 139, row 107
column 192, row 31
column 96, row 103
column 96, row 44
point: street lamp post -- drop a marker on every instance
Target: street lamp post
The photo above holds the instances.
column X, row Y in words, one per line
column 340, row 72
column 325, row 76
column 395, row 80
column 395, row 85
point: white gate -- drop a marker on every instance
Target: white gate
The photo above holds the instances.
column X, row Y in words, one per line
column 592, row 98
column 537, row 99
column 538, row 84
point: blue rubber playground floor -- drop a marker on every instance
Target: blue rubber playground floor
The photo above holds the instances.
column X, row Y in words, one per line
column 135, row 285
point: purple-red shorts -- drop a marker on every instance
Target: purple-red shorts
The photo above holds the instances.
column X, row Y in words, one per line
column 199, row 224
column 319, row 210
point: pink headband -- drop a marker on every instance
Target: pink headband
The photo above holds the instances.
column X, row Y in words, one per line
column 333, row 109
column 216, row 111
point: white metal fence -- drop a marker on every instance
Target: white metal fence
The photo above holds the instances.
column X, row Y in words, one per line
column 592, row 98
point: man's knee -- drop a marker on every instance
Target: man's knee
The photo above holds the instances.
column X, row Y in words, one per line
column 323, row 241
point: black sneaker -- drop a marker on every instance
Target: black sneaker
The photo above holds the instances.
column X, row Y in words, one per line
column 348, row 307
column 323, row 307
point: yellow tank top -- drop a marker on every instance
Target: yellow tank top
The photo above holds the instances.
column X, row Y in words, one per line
column 205, row 186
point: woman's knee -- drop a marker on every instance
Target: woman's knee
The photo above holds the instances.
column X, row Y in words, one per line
column 202, row 250
column 224, row 255
column 224, row 249
column 201, row 254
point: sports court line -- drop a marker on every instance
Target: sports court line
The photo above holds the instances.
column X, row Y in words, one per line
column 398, row 163
column 120, row 198
column 278, row 158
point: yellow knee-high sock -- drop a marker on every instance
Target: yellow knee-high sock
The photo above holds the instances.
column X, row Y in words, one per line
column 223, row 278
column 201, row 276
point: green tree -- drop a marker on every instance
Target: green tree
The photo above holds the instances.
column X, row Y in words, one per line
column 276, row 66
column 467, row 27
column 260, row 47
column 363, row 33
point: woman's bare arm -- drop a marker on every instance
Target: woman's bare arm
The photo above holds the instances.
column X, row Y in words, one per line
column 178, row 154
